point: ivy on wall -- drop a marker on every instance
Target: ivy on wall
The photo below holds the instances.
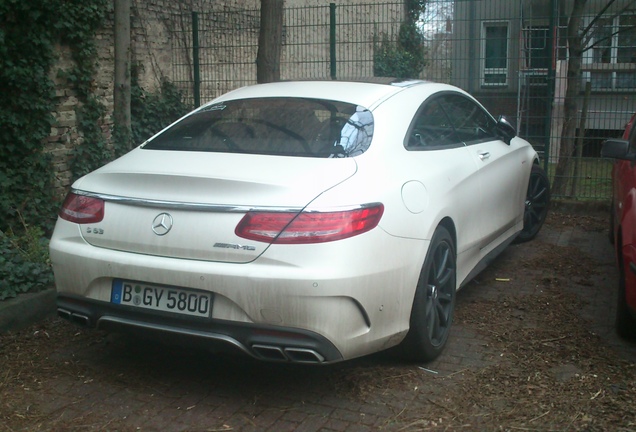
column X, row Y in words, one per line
column 27, row 36
column 29, row 33
column 152, row 111
column 80, row 37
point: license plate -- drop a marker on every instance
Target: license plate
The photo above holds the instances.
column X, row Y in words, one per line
column 161, row 298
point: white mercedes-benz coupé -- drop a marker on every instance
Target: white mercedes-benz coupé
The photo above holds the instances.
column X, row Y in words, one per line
column 308, row 222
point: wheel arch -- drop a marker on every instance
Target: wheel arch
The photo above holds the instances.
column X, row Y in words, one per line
column 618, row 246
column 448, row 223
column 423, row 343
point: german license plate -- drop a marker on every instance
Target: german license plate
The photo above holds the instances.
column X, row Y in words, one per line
column 161, row 298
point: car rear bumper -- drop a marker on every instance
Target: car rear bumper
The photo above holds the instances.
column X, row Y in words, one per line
column 263, row 342
column 340, row 300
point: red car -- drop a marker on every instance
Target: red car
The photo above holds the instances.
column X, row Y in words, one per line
column 623, row 224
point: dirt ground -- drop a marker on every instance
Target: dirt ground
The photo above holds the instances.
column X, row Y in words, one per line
column 532, row 348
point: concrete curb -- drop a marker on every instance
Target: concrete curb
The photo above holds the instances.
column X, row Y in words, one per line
column 26, row 309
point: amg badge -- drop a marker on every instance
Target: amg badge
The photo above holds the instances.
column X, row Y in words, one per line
column 234, row 246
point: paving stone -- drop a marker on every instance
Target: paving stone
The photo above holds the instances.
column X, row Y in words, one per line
column 333, row 424
column 283, row 426
column 312, row 423
column 346, row 415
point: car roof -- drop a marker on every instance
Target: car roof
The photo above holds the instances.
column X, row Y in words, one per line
column 365, row 92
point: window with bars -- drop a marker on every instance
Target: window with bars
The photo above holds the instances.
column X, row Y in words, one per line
column 537, row 52
column 494, row 54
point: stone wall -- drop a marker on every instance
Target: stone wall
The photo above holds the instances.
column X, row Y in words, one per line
column 64, row 135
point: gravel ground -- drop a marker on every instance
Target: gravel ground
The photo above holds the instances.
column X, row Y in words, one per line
column 532, row 348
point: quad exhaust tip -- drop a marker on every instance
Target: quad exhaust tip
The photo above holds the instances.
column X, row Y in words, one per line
column 290, row 354
column 75, row 317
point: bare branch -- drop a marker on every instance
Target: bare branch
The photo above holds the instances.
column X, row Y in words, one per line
column 597, row 17
column 597, row 42
column 587, row 35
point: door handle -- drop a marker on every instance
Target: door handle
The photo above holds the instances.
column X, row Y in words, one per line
column 483, row 155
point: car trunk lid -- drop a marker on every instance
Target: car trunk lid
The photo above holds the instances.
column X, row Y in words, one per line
column 188, row 204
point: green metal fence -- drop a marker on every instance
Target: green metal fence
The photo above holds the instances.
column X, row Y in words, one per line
column 214, row 52
column 512, row 56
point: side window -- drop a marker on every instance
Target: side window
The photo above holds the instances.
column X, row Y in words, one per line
column 431, row 129
column 471, row 122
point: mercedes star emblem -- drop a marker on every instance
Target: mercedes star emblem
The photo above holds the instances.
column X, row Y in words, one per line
column 162, row 224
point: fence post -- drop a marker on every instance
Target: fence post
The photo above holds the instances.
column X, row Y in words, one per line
column 332, row 39
column 472, row 40
column 195, row 60
column 553, row 42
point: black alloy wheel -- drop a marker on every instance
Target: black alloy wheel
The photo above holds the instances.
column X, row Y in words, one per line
column 536, row 205
column 434, row 303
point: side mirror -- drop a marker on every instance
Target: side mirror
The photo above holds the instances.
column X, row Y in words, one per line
column 505, row 129
column 617, row 149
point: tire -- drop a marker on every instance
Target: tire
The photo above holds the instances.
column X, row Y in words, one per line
column 434, row 302
column 536, row 205
column 625, row 323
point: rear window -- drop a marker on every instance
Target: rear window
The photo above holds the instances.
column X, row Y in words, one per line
column 273, row 126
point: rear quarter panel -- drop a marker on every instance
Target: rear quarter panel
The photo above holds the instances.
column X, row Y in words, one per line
column 624, row 181
column 628, row 244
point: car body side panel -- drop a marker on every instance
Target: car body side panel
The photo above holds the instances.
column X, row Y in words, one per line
column 449, row 198
column 503, row 175
column 452, row 186
column 388, row 166
column 624, row 182
column 625, row 193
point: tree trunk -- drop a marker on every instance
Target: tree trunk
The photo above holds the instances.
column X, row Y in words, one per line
column 578, row 161
column 270, row 41
column 121, row 95
column 570, row 105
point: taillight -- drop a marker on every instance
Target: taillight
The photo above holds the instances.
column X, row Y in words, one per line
column 82, row 209
column 308, row 227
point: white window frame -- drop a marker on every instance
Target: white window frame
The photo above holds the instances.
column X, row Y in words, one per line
column 485, row 72
column 609, row 68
